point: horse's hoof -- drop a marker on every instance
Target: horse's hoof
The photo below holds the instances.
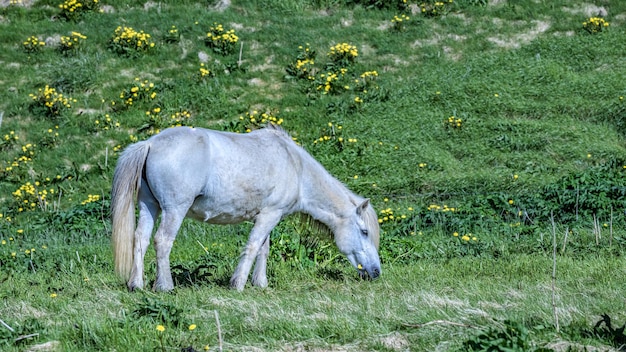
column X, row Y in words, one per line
column 132, row 287
column 237, row 285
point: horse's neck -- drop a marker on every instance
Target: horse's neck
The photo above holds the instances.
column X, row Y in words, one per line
column 323, row 196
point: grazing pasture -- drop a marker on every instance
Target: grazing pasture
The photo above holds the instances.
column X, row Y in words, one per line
column 488, row 136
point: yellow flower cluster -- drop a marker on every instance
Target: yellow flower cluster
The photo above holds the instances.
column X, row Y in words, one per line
column 595, row 25
column 72, row 42
column 305, row 61
column 180, row 118
column 343, row 53
column 32, row 44
column 453, row 122
column 330, row 82
column 369, row 75
column 106, row 123
column 436, row 8
column 439, row 208
column 172, row 35
column 398, row 22
column 28, row 196
column 9, row 139
column 90, row 199
column 254, row 120
column 71, row 5
column 334, row 133
column 138, row 91
column 221, row 40
column 73, row 9
column 27, row 154
column 203, row 71
column 465, row 237
column 52, row 101
column 399, row 19
column 387, row 215
column 305, row 66
column 126, row 39
column 366, row 80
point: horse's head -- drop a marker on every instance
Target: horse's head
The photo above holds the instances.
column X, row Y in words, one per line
column 358, row 239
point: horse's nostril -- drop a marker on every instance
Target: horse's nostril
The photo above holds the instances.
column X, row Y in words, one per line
column 375, row 273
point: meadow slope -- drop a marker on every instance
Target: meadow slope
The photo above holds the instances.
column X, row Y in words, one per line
column 489, row 136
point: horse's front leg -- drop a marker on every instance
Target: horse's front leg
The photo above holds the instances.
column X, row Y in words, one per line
column 259, row 276
column 163, row 241
column 259, row 239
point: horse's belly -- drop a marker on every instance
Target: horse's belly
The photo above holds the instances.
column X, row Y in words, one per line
column 211, row 211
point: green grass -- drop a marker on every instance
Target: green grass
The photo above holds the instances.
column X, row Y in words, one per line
column 541, row 137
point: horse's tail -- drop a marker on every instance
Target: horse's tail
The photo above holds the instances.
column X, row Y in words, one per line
column 126, row 181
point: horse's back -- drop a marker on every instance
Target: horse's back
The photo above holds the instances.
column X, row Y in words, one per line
column 211, row 170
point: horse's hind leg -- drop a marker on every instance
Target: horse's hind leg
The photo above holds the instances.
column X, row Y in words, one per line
column 148, row 212
column 259, row 276
column 264, row 223
column 163, row 241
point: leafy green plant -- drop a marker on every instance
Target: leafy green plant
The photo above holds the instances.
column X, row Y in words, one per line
column 594, row 190
column 159, row 311
column 513, row 337
column 21, row 334
column 604, row 329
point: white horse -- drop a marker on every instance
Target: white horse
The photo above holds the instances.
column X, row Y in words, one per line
column 227, row 178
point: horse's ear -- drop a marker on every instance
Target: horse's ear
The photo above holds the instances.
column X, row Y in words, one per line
column 361, row 208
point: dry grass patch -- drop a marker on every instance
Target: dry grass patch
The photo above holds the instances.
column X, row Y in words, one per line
column 515, row 41
column 588, row 10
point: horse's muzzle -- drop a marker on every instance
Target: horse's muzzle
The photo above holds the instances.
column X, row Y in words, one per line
column 370, row 274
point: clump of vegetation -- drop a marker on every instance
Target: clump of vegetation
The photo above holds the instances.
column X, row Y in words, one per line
column 398, row 23
column 222, row 41
column 33, row 45
column 129, row 42
column 595, row 25
column 138, row 94
column 159, row 311
column 434, row 8
column 172, row 35
column 253, row 120
column 513, row 337
column 72, row 43
column 303, row 67
column 49, row 102
column 342, row 55
column 73, row 10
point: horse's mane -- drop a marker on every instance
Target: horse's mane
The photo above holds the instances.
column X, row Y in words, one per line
column 277, row 130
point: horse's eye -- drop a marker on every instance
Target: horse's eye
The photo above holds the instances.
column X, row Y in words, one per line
column 364, row 233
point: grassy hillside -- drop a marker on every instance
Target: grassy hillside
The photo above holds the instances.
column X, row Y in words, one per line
column 481, row 130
